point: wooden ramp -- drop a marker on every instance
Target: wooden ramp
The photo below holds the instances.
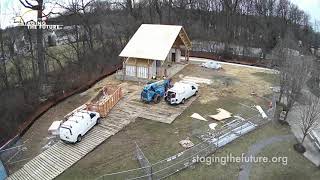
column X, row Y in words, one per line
column 59, row 157
column 161, row 112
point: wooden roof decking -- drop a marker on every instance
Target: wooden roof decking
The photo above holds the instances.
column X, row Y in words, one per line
column 154, row 41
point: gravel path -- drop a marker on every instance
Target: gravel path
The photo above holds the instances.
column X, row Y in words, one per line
column 256, row 149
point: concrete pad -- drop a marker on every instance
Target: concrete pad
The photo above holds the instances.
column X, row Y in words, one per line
column 310, row 155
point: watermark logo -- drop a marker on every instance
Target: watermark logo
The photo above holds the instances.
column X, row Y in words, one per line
column 230, row 158
column 29, row 19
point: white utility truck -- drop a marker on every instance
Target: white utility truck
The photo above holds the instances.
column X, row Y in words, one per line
column 181, row 91
column 77, row 125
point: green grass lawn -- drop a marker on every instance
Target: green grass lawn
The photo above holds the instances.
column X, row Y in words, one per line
column 231, row 171
column 298, row 167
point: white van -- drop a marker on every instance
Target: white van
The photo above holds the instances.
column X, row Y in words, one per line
column 78, row 125
column 181, row 91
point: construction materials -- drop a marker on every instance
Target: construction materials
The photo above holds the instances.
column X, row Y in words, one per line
column 222, row 115
column 263, row 114
column 232, row 135
column 198, row 116
column 213, row 126
column 155, row 91
column 186, row 143
column 54, row 128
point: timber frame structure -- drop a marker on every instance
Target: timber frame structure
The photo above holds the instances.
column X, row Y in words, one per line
column 153, row 49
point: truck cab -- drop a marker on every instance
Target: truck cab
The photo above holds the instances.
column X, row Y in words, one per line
column 77, row 125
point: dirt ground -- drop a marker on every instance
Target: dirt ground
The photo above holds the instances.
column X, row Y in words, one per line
column 231, row 85
column 231, row 80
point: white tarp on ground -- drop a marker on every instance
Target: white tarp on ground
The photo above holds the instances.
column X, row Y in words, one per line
column 198, row 116
column 222, row 115
column 213, row 126
column 151, row 41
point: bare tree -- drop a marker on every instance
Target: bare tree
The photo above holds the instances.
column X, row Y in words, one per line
column 38, row 6
column 297, row 75
column 309, row 117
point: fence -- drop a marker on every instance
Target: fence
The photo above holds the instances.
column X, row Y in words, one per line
column 104, row 101
column 211, row 141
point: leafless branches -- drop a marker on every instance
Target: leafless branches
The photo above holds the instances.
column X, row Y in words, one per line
column 309, row 116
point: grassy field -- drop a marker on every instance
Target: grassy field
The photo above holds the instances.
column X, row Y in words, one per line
column 298, row 166
column 230, row 171
column 159, row 141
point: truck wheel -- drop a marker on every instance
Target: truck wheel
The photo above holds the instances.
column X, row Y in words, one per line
column 183, row 101
column 98, row 121
column 157, row 99
column 79, row 138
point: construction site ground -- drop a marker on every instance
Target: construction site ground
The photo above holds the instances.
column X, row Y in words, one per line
column 231, row 85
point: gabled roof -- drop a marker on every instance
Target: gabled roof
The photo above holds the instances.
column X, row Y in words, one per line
column 154, row 41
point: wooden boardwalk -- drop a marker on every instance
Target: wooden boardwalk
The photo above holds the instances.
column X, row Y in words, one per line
column 59, row 157
column 161, row 112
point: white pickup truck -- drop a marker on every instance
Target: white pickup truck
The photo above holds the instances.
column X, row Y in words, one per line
column 180, row 92
column 77, row 125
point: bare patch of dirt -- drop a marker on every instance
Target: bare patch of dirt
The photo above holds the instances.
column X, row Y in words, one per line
column 229, row 81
